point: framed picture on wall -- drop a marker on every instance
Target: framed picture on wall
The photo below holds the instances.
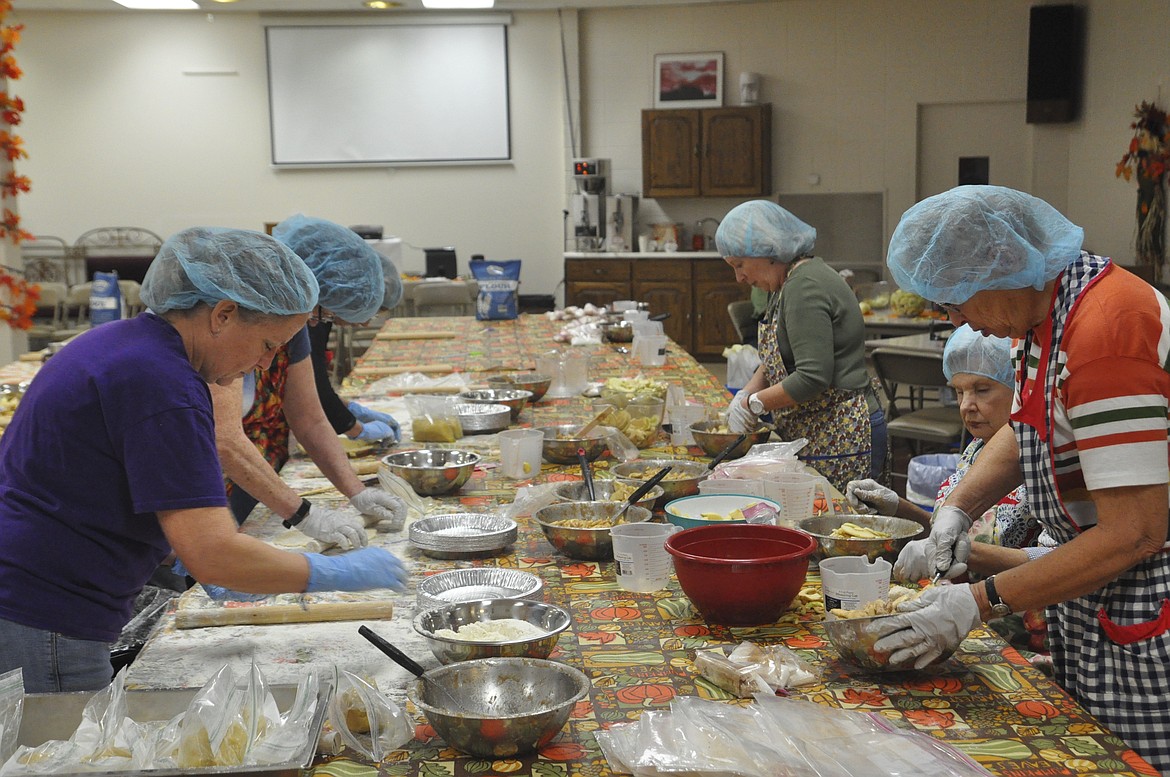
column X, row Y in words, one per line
column 688, row 80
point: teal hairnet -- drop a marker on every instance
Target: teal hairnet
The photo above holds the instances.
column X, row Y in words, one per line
column 348, row 269
column 393, row 293
column 970, row 352
column 953, row 245
column 764, row 229
column 211, row 264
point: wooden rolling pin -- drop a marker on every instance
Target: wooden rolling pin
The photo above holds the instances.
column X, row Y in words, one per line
column 397, row 369
column 416, row 335
column 268, row 614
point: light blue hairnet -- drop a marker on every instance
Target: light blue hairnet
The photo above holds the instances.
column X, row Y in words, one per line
column 953, row 245
column 393, row 293
column 763, row 228
column 348, row 269
column 211, row 264
column 970, row 352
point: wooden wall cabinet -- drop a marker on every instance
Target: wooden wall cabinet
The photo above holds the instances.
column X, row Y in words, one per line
column 707, row 152
column 694, row 290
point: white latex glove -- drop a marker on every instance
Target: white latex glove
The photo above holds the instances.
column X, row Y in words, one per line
column 739, row 418
column 380, row 505
column 870, row 496
column 926, row 627
column 949, row 545
column 916, row 561
column 334, row 527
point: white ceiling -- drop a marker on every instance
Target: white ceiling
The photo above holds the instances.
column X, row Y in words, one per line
column 337, row 6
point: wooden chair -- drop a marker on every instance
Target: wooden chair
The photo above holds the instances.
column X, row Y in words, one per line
column 911, row 383
column 743, row 318
column 443, row 299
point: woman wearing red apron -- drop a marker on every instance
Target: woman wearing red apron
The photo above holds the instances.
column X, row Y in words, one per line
column 812, row 376
column 1088, row 438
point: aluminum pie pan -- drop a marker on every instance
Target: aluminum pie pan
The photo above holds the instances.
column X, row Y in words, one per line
column 467, row 585
column 460, row 535
column 477, row 418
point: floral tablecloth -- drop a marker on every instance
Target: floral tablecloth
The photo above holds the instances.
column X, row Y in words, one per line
column 636, row 648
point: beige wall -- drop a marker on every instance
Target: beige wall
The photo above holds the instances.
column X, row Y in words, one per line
column 118, row 135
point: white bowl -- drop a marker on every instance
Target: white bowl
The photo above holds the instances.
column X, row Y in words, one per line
column 688, row 511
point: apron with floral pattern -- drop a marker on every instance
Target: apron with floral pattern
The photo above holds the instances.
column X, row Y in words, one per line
column 835, row 422
column 265, row 424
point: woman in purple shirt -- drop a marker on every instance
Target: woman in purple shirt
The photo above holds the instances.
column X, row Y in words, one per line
column 110, row 461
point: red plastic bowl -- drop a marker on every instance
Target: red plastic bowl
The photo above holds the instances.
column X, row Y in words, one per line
column 741, row 574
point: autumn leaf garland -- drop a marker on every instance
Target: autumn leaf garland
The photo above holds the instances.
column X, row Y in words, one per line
column 18, row 297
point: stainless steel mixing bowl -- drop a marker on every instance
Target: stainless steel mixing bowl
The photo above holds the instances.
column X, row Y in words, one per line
column 550, row 619
column 510, row 706
column 433, row 471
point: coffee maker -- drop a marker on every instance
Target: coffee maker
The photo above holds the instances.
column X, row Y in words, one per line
column 587, row 205
column 621, row 211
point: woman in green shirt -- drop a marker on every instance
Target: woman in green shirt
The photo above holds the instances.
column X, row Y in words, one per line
column 812, row 376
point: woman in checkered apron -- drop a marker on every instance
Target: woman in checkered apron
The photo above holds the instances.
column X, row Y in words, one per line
column 1088, row 438
column 812, row 375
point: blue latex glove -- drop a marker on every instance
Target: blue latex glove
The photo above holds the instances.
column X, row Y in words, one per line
column 215, row 592
column 367, row 416
column 926, row 627
column 357, row 570
column 376, row 430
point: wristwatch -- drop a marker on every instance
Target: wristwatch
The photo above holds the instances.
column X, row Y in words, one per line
column 299, row 515
column 755, row 404
column 999, row 608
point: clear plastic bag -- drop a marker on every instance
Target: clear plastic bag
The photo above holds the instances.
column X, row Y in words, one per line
column 367, row 721
column 433, row 419
column 529, row 499
column 764, row 460
column 750, row 668
column 619, row 445
column 11, row 707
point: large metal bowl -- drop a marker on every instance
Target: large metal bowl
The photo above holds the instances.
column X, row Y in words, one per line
column 618, row 331
column 475, row 583
column 561, row 444
column 476, row 418
column 432, row 471
column 462, row 535
column 516, row 399
column 901, row 531
column 682, row 480
column 854, row 638
column 595, row 544
column 605, row 491
column 549, row 618
column 529, row 381
column 509, row 706
column 712, row 437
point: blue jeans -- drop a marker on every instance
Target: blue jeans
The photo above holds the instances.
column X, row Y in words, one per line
column 879, row 444
column 52, row 662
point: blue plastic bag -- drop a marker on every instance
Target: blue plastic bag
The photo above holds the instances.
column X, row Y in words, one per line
column 498, row 299
column 105, row 298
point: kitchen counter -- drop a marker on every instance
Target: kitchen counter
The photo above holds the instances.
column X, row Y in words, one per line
column 636, row 648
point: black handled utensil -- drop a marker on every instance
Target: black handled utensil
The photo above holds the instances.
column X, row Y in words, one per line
column 586, row 474
column 409, row 664
column 642, row 490
column 723, row 454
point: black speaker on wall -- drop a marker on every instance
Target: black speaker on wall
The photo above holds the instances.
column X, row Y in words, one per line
column 1055, row 55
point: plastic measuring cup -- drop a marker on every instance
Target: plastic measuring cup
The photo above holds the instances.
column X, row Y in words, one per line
column 850, row 582
column 640, row 557
column 797, row 494
column 651, row 350
column 520, row 453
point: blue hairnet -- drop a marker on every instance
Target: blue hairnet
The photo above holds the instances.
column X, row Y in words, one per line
column 953, row 245
column 762, row 228
column 211, row 264
column 393, row 293
column 970, row 352
column 347, row 268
